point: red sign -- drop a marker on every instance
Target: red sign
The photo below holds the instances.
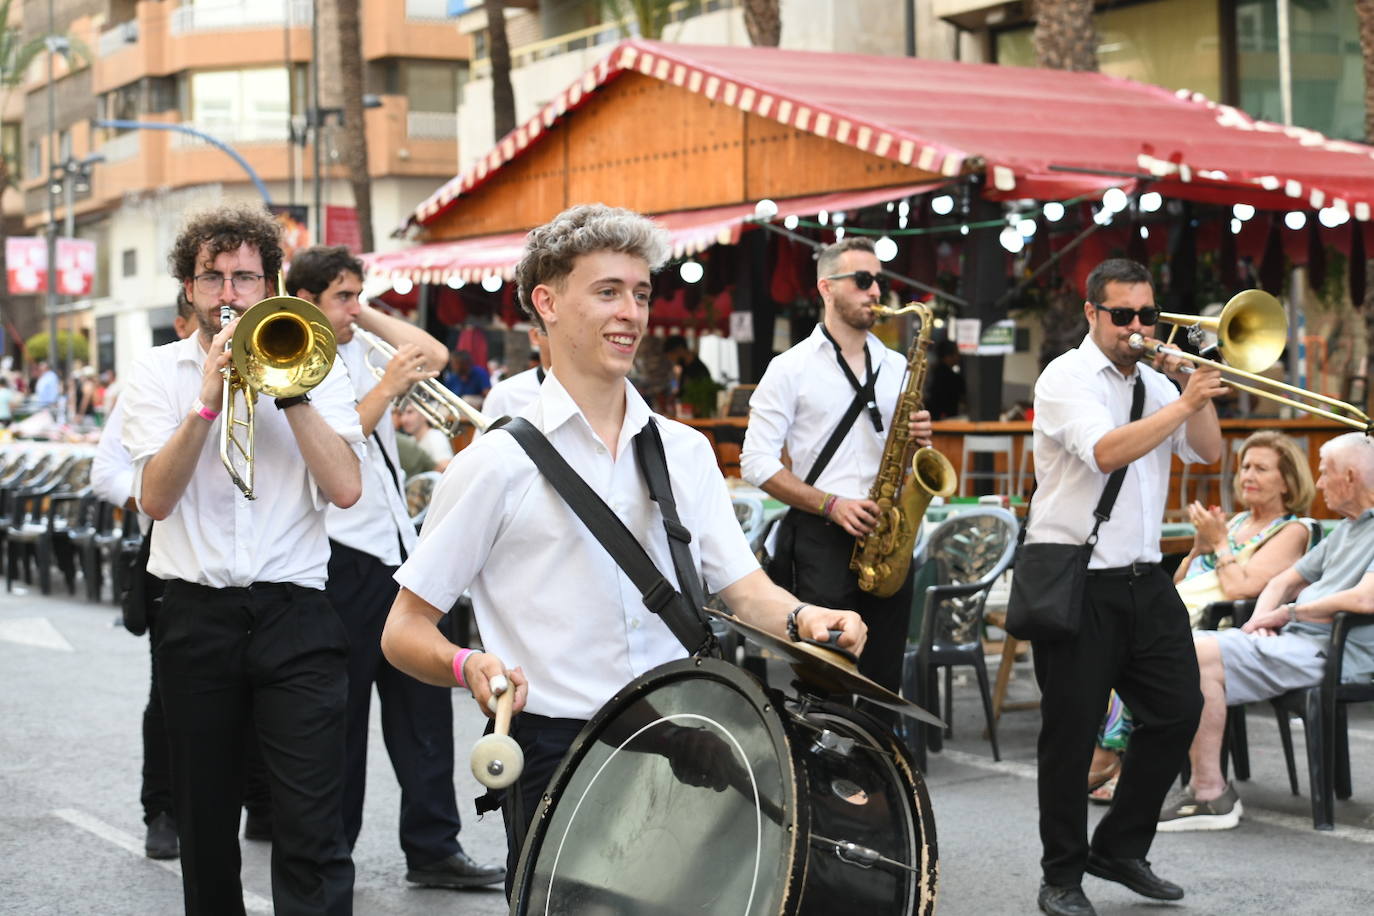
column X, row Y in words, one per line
column 75, row 267
column 26, row 259
column 341, row 228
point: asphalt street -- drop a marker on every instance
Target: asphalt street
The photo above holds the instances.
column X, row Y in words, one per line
column 73, row 685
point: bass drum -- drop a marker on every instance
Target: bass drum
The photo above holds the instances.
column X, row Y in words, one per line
column 695, row 791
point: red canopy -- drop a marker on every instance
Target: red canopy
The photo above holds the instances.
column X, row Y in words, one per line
column 1045, row 134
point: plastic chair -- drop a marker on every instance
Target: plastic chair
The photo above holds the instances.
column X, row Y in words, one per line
column 969, row 552
column 1003, row 480
column 749, row 513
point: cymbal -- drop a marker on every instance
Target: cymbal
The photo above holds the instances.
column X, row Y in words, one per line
column 827, row 670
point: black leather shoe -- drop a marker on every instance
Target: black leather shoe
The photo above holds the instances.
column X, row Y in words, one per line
column 1135, row 874
column 1065, row 901
column 258, row 826
column 161, row 840
column 458, row 870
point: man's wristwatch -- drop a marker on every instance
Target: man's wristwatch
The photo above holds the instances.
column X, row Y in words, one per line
column 792, row 632
column 284, row 403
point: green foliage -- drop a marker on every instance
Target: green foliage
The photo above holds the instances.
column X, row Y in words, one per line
column 701, row 394
column 37, row 346
column 651, row 16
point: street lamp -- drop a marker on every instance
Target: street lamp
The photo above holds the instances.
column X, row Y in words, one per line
column 311, row 126
column 69, row 177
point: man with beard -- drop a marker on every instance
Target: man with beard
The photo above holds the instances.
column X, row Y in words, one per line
column 803, row 398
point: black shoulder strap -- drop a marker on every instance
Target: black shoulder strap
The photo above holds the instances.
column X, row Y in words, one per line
column 653, row 464
column 837, row 436
column 659, row 595
column 1104, row 505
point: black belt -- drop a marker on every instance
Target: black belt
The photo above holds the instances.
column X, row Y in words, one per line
column 1134, row 571
column 257, row 588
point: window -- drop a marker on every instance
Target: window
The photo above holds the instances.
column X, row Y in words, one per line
column 242, row 105
column 431, row 85
column 35, row 163
column 130, row 262
column 10, row 135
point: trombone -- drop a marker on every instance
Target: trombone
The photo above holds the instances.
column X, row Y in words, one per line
column 443, row 409
column 283, row 346
column 1251, row 332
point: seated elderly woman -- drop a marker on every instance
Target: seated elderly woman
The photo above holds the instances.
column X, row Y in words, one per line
column 1229, row 560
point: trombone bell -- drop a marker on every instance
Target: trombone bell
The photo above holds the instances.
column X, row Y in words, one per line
column 1251, row 331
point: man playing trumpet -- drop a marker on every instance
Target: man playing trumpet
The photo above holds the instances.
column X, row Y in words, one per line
column 246, row 636
column 367, row 542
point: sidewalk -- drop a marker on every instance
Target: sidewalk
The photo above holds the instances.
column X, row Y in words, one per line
column 73, row 685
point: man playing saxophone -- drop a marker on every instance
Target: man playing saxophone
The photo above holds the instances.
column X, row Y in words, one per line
column 830, row 401
column 367, row 543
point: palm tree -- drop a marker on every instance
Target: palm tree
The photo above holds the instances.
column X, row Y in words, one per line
column 498, row 51
column 1365, row 9
column 651, row 16
column 354, row 138
column 763, row 21
column 1065, row 36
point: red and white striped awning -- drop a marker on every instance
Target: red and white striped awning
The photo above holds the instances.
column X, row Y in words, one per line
column 1046, row 134
column 691, row 231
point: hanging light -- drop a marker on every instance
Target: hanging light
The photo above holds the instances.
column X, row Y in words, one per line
column 1144, row 232
column 691, row 271
column 1242, row 212
column 403, row 285
column 823, row 217
column 1053, row 211
column 1026, row 227
column 963, row 230
column 1011, row 240
column 1235, row 225
column 491, row 282
column 1115, row 200
column 1103, row 217
column 903, row 208
column 885, row 249
column 942, row 205
column 791, row 221
column 1151, row 201
column 1331, row 217
column 454, row 282
column 901, row 222
column 765, row 209
column 839, row 233
column 1295, row 219
column 837, row 217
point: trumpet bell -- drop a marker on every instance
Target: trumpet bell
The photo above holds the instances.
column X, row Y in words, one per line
column 283, row 346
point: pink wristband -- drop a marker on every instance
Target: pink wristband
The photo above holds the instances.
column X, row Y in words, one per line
column 458, row 660
column 205, row 413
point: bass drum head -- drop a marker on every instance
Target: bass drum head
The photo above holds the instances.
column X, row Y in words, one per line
column 678, row 797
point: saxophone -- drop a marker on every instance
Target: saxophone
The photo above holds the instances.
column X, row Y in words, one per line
column 882, row 558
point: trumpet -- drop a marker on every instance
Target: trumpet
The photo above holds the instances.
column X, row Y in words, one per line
column 443, row 409
column 283, row 346
column 1251, row 332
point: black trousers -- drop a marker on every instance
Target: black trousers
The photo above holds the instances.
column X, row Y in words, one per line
column 545, row 743
column 417, row 719
column 273, row 657
column 821, row 557
column 1135, row 639
column 156, row 791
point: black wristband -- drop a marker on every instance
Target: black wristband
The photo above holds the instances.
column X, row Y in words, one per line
column 284, row 403
column 792, row 632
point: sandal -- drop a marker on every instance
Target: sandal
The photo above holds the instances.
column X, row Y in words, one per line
column 1099, row 778
column 1104, row 793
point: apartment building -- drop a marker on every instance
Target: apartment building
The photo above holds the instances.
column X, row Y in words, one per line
column 238, row 72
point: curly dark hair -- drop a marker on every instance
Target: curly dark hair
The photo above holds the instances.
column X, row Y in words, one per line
column 316, row 267
column 552, row 249
column 225, row 228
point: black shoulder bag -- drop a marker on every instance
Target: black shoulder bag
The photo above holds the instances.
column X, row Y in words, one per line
column 1046, row 600
column 682, row 614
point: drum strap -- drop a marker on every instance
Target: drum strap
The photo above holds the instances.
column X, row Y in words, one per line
column 683, row 616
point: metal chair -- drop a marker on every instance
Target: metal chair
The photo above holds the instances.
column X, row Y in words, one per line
column 969, row 552
column 1004, row 481
column 419, row 490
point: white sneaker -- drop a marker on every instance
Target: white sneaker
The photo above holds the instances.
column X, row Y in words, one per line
column 1183, row 812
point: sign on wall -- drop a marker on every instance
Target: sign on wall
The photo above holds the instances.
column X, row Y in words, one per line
column 26, row 259
column 75, row 267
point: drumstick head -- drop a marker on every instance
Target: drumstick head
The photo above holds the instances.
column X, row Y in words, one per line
column 497, row 761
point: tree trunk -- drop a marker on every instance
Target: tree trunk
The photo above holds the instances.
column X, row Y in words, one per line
column 1065, row 36
column 763, row 21
column 1365, row 10
column 353, row 138
column 498, row 50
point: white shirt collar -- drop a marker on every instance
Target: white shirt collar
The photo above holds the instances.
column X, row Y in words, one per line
column 556, row 407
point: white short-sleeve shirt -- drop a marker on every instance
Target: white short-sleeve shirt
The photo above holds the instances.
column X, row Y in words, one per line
column 546, row 595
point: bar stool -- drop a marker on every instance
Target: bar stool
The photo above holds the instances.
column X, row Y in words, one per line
column 1003, row 480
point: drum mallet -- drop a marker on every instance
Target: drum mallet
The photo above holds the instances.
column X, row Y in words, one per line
column 496, row 759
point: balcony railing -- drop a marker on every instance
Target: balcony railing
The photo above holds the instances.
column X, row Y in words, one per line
column 432, row 125
column 121, row 148
column 427, row 10
column 118, row 38
column 608, row 32
column 234, row 132
column 233, row 15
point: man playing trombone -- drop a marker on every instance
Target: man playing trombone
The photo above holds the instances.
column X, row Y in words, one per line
column 367, row 542
column 245, row 635
column 1133, row 634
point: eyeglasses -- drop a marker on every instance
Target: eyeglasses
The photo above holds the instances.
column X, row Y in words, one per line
column 862, row 279
column 244, row 282
column 1121, row 317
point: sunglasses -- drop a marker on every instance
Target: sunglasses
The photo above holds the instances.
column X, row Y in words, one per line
column 1121, row 317
column 863, row 279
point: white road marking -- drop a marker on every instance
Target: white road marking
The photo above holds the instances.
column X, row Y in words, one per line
column 1252, row 813
column 129, row 843
column 34, row 631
